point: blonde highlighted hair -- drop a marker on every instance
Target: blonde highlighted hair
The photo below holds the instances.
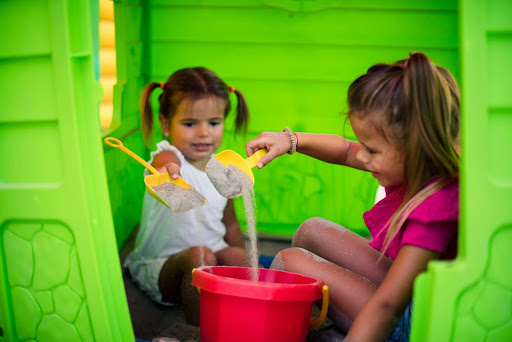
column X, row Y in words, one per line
column 414, row 104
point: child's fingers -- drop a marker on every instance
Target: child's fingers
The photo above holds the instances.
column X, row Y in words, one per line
column 254, row 145
column 275, row 143
column 172, row 168
column 267, row 158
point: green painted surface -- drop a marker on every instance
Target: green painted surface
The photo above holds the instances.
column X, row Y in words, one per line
column 60, row 277
column 294, row 65
column 470, row 299
column 293, row 61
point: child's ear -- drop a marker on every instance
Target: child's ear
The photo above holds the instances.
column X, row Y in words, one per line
column 165, row 124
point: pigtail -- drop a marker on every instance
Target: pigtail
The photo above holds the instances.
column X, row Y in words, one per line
column 242, row 113
column 432, row 126
column 146, row 112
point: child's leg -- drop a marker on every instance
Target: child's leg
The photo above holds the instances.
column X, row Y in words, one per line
column 342, row 247
column 175, row 279
column 232, row 256
column 342, row 259
column 348, row 291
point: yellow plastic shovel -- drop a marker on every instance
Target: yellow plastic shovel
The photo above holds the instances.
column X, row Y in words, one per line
column 229, row 157
column 156, row 178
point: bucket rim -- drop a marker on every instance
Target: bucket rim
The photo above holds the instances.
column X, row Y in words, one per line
column 310, row 290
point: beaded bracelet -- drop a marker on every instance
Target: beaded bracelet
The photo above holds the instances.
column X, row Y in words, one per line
column 293, row 140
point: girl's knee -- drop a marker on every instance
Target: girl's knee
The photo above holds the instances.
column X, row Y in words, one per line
column 305, row 235
column 287, row 257
column 278, row 262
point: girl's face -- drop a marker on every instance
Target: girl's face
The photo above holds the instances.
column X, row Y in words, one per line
column 197, row 128
column 383, row 158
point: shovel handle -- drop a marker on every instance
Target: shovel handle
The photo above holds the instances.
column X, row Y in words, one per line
column 114, row 142
column 253, row 160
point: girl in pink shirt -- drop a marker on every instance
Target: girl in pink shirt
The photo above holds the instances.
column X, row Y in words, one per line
column 405, row 117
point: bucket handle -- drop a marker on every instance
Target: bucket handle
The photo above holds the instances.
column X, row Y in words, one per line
column 323, row 313
column 198, row 289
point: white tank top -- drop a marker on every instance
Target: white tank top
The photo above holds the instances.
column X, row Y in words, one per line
column 164, row 233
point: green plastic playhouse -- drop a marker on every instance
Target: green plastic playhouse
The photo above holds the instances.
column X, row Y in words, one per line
column 68, row 203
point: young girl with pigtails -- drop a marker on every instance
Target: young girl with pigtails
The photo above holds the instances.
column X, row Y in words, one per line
column 193, row 105
column 405, row 117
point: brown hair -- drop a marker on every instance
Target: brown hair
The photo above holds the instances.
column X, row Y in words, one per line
column 192, row 83
column 416, row 104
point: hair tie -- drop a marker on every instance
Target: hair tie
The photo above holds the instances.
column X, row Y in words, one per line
column 231, row 89
column 162, row 85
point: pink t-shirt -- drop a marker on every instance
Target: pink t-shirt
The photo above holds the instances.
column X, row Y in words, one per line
column 432, row 225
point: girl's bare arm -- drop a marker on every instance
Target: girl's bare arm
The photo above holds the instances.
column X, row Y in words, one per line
column 383, row 310
column 330, row 148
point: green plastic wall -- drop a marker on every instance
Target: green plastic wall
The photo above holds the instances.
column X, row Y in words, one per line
column 471, row 298
column 60, row 277
column 293, row 60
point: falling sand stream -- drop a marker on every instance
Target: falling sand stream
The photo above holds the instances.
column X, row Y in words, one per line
column 232, row 182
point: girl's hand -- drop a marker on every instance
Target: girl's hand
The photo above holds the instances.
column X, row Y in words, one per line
column 277, row 144
column 167, row 161
column 172, row 168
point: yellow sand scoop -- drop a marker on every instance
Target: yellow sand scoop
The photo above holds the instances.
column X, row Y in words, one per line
column 178, row 201
column 229, row 157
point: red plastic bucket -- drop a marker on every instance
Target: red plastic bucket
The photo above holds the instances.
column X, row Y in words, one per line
column 275, row 308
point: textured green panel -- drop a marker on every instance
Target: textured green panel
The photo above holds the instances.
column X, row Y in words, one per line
column 45, row 301
column 487, row 303
column 470, row 299
column 17, row 246
column 54, row 328
column 26, row 309
column 52, row 254
column 497, row 298
column 468, row 330
column 67, row 303
column 501, row 251
column 41, row 292
column 500, row 334
column 60, row 278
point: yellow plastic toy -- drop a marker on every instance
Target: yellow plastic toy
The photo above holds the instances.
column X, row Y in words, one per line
column 156, row 178
column 229, row 157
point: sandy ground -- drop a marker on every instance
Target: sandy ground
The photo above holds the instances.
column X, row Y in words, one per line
column 151, row 320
